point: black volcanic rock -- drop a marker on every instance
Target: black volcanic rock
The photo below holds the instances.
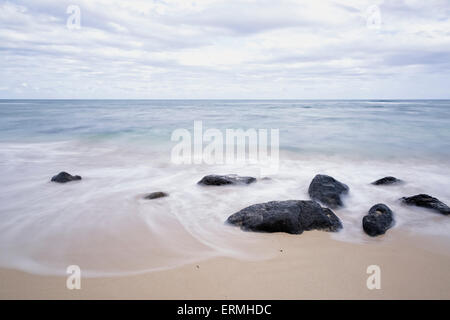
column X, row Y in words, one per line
column 327, row 190
column 64, row 177
column 387, row 181
column 378, row 221
column 291, row 216
column 426, row 201
column 156, row 195
column 218, row 180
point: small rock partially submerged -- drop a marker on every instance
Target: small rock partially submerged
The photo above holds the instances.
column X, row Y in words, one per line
column 156, row 195
column 387, row 181
column 378, row 221
column 291, row 216
column 327, row 190
column 426, row 201
column 64, row 177
column 218, row 180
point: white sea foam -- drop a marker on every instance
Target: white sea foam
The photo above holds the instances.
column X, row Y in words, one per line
column 102, row 223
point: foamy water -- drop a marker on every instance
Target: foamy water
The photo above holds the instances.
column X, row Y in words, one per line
column 122, row 151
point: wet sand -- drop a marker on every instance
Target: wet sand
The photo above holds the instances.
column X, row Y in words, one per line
column 307, row 266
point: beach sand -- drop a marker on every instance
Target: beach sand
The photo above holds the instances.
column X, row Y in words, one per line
column 307, row 266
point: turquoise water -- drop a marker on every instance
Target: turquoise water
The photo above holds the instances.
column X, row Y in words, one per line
column 122, row 149
column 396, row 128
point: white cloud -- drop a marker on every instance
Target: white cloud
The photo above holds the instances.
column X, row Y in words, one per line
column 225, row 49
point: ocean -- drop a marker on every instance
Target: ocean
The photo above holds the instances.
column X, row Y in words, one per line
column 122, row 149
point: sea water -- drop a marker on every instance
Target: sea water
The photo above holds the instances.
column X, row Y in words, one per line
column 122, row 149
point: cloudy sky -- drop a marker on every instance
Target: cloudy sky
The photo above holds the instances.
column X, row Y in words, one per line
column 225, row 49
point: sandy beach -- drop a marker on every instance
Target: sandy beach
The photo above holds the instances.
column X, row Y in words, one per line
column 307, row 266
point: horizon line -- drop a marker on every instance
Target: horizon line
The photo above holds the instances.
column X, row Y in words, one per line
column 230, row 99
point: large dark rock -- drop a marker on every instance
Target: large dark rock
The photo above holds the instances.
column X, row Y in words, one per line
column 327, row 190
column 426, row 201
column 378, row 221
column 156, row 195
column 217, row 180
column 291, row 216
column 387, row 181
column 64, row 177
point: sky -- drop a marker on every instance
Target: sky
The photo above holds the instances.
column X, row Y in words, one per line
column 225, row 49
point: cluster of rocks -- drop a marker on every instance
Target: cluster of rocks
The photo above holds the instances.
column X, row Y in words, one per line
column 296, row 216
column 64, row 177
